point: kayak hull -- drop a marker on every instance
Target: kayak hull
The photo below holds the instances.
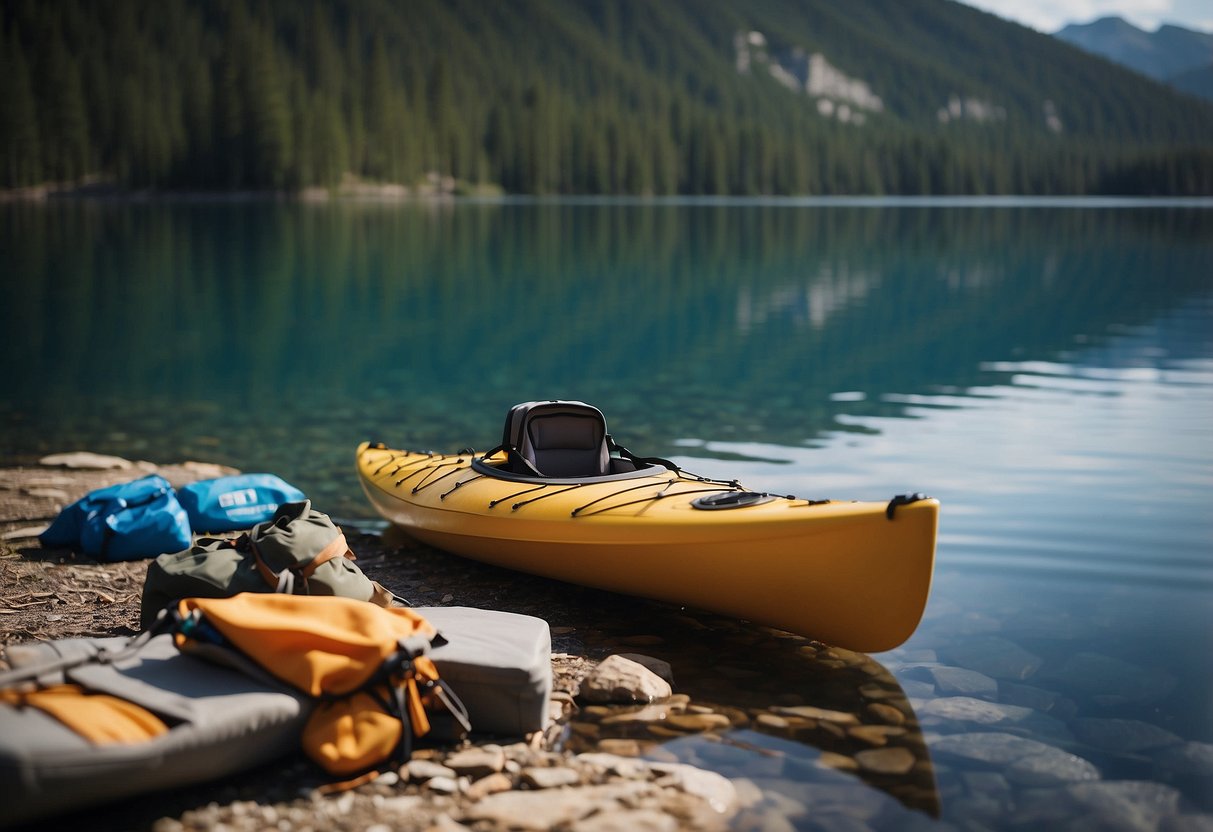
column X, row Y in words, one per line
column 852, row 574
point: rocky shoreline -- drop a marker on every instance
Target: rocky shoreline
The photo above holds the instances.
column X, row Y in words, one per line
column 668, row 718
column 599, row 765
column 351, row 188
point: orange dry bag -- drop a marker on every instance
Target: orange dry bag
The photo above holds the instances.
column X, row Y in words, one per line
column 365, row 665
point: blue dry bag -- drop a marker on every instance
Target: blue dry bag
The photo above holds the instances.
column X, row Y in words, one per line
column 238, row 502
column 139, row 519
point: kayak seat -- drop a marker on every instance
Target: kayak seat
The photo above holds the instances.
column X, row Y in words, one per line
column 557, row 439
column 566, row 445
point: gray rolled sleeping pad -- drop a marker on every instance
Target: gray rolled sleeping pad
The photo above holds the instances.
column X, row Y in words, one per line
column 224, row 721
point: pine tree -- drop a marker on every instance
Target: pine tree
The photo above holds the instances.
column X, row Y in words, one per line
column 268, row 116
column 617, row 96
column 21, row 161
column 63, row 122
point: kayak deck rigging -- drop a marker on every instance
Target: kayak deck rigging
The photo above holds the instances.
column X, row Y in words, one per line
column 430, row 463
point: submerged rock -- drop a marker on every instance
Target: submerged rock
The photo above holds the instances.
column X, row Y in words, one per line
column 886, row 760
column 1038, row 699
column 646, row 715
column 714, row 789
column 1024, row 761
column 1125, row 804
column 994, row 656
column 968, row 709
column 1051, row 768
column 698, row 722
column 963, row 682
column 824, row 714
column 1122, row 735
column 1110, row 681
column 1192, row 759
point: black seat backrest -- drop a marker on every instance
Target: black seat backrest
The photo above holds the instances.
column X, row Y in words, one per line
column 559, row 438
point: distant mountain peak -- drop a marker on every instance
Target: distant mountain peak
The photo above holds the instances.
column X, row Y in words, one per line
column 1112, row 22
column 1164, row 54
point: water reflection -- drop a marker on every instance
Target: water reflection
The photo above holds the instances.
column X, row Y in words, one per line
column 790, row 715
column 242, row 331
column 804, row 731
column 1047, row 372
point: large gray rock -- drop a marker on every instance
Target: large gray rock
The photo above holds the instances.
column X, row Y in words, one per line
column 659, row 666
column 618, row 679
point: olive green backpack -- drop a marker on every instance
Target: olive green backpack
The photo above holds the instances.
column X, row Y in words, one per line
column 298, row 550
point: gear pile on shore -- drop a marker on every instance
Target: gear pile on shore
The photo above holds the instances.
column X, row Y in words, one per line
column 600, row 764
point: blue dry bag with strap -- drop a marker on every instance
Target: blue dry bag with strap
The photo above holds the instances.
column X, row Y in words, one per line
column 237, row 502
column 139, row 519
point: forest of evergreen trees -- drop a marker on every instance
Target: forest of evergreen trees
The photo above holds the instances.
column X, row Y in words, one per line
column 572, row 97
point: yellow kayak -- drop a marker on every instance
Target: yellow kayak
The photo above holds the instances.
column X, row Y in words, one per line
column 853, row 574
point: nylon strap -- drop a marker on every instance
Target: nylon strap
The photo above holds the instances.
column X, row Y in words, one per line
column 338, row 547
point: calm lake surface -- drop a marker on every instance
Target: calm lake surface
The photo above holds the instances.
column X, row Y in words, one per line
column 1044, row 368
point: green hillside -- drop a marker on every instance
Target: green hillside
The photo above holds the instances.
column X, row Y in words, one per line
column 590, row 97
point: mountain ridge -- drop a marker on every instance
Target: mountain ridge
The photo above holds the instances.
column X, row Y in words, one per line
column 1172, row 54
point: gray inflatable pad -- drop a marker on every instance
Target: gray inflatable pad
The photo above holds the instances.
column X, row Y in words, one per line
column 223, row 721
column 498, row 663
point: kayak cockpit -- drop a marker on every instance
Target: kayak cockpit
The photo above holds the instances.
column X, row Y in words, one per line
column 562, row 442
column 566, row 443
column 497, row 466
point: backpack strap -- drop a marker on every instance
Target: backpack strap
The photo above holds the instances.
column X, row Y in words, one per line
column 336, row 549
column 284, row 581
column 92, row 655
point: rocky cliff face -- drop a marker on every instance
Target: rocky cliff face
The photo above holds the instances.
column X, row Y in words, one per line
column 834, row 93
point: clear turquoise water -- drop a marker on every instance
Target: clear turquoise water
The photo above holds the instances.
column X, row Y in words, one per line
column 1044, row 368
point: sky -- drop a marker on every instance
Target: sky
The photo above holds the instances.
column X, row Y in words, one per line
column 1051, row 15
